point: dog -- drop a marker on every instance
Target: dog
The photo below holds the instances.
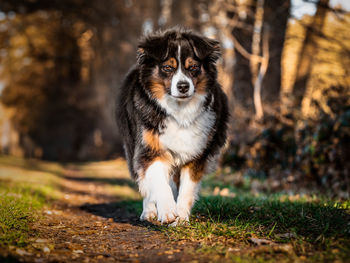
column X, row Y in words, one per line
column 172, row 115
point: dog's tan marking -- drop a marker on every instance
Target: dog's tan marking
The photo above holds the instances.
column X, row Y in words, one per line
column 171, row 62
column 157, row 88
column 189, row 62
column 196, row 170
column 152, row 140
column 201, row 84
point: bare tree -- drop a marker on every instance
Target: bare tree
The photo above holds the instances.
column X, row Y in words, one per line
column 307, row 54
column 256, row 39
column 257, row 30
column 259, row 111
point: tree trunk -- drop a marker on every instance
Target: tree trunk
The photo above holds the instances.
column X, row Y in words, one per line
column 307, row 53
column 242, row 83
column 256, row 39
column 275, row 20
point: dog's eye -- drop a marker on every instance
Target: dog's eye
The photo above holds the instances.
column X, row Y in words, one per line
column 168, row 68
column 193, row 68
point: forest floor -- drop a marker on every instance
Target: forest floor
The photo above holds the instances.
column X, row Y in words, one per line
column 89, row 212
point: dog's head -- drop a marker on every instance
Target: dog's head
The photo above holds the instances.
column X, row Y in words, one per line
column 177, row 64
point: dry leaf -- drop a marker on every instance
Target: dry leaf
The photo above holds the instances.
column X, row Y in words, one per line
column 22, row 252
column 260, row 241
column 224, row 192
column 216, row 190
column 41, row 240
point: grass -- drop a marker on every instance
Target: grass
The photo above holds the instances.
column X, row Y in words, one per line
column 17, row 211
column 25, row 188
column 265, row 216
column 307, row 230
column 310, row 229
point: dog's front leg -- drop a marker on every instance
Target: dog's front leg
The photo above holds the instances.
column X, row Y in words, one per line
column 157, row 193
column 149, row 211
column 188, row 192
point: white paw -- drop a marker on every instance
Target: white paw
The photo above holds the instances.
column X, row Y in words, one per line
column 149, row 212
column 166, row 212
column 180, row 222
column 183, row 213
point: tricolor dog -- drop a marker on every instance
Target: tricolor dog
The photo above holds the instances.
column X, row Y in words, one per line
column 172, row 114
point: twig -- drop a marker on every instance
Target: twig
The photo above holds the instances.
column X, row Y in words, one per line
column 259, row 111
column 243, row 51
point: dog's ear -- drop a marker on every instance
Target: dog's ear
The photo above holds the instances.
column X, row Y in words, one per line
column 205, row 48
column 152, row 47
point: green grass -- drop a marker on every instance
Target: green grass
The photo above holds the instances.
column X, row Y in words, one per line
column 302, row 227
column 308, row 219
column 24, row 189
column 17, row 210
column 318, row 230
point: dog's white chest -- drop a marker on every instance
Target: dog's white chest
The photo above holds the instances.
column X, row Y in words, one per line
column 189, row 141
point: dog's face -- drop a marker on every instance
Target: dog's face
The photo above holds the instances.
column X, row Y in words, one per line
column 177, row 64
column 180, row 73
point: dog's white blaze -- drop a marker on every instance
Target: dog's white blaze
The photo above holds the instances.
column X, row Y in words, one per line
column 180, row 76
column 190, row 140
column 188, row 193
column 154, row 187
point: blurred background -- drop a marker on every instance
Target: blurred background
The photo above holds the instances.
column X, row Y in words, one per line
column 285, row 69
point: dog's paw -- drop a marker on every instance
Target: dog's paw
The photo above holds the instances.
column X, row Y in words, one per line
column 180, row 222
column 166, row 213
column 149, row 213
column 183, row 213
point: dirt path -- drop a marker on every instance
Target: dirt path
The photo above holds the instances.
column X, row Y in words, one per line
column 91, row 224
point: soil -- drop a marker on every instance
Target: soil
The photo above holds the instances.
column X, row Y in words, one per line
column 89, row 225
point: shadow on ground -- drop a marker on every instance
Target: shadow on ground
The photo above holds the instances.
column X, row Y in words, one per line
column 127, row 211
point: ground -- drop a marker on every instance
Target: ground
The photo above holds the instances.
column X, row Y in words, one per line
column 89, row 212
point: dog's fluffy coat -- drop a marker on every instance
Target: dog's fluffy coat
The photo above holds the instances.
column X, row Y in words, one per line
column 172, row 115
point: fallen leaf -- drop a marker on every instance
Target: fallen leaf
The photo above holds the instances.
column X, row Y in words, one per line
column 231, row 249
column 216, row 190
column 41, row 240
column 260, row 241
column 22, row 252
column 224, row 192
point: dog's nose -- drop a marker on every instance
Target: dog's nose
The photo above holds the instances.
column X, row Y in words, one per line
column 183, row 86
